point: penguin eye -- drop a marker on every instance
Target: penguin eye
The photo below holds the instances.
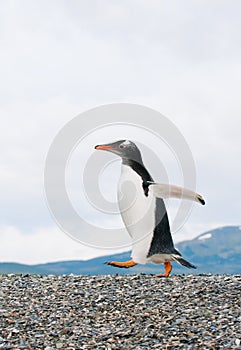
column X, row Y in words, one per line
column 121, row 146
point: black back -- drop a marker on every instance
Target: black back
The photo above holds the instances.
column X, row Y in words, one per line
column 162, row 239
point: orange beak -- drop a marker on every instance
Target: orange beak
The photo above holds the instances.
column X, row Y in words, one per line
column 104, row 147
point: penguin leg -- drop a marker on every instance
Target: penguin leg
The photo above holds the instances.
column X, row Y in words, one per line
column 168, row 269
column 125, row 264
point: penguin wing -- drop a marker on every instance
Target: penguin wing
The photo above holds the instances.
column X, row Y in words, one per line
column 173, row 191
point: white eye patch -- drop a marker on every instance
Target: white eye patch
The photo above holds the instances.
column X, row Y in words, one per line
column 126, row 143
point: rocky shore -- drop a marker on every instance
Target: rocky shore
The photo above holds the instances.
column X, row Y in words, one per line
column 120, row 312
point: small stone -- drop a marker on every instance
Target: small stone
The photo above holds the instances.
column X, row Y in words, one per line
column 180, row 320
column 111, row 340
column 120, row 312
column 237, row 342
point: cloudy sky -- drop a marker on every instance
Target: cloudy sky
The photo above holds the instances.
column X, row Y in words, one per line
column 61, row 58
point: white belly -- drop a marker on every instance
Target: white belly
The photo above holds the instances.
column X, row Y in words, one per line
column 137, row 211
column 160, row 258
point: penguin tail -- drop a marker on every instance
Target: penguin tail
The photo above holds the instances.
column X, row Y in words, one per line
column 183, row 262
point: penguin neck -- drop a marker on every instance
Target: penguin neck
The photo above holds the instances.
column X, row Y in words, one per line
column 138, row 167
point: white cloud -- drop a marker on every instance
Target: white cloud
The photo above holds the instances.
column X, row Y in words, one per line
column 44, row 245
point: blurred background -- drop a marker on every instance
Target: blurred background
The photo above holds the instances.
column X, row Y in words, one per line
column 60, row 58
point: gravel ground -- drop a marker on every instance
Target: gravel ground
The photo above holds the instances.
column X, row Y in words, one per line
column 120, row 312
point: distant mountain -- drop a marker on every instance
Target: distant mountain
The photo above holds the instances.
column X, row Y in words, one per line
column 217, row 251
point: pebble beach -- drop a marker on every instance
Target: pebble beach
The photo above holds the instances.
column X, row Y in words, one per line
column 120, row 312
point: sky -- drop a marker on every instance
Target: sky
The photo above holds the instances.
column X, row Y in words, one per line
column 62, row 58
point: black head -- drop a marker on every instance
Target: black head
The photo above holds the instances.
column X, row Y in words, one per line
column 125, row 149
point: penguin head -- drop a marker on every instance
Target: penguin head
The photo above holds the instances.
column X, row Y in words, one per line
column 125, row 149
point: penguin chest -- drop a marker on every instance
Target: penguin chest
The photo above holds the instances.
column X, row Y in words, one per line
column 137, row 211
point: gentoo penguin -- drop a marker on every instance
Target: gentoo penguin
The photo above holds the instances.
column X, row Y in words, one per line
column 143, row 210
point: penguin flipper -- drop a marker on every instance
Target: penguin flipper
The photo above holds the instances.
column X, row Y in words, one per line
column 173, row 191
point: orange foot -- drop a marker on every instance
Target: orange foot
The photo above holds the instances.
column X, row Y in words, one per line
column 125, row 264
column 168, row 269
